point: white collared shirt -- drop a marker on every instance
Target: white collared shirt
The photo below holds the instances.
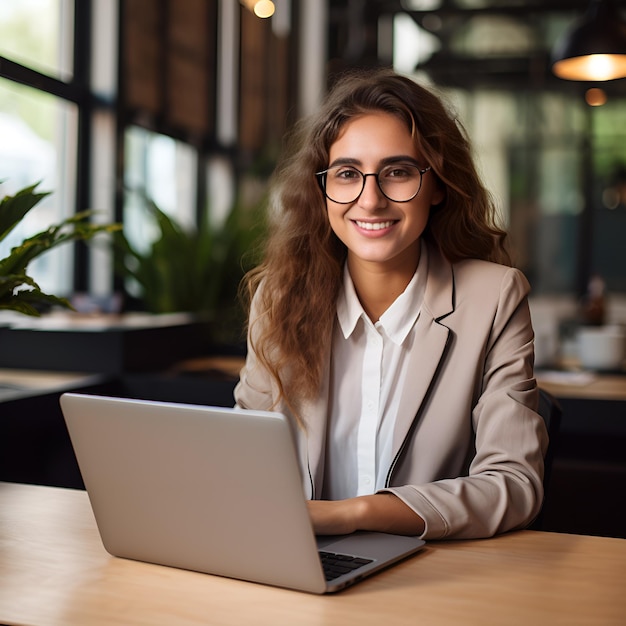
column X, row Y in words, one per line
column 368, row 368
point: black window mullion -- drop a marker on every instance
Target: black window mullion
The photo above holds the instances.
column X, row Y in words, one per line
column 121, row 122
column 32, row 78
column 82, row 81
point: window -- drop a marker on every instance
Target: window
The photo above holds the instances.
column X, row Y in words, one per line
column 63, row 122
column 38, row 129
column 608, row 194
column 163, row 169
column 38, row 34
column 556, row 166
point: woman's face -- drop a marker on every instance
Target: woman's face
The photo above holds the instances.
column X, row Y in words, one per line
column 378, row 231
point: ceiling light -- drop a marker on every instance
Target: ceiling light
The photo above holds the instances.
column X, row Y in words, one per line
column 261, row 8
column 595, row 97
column 594, row 48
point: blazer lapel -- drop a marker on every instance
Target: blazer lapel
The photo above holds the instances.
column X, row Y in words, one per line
column 315, row 415
column 430, row 342
column 431, row 338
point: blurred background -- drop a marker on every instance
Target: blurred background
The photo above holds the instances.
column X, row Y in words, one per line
column 168, row 116
column 106, row 101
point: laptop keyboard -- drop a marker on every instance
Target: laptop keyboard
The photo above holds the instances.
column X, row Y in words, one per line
column 336, row 565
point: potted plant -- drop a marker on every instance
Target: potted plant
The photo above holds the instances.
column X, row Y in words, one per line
column 195, row 270
column 19, row 291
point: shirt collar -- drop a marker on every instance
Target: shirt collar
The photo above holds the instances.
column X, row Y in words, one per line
column 349, row 309
column 399, row 318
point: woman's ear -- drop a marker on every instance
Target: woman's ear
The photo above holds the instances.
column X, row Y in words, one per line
column 439, row 195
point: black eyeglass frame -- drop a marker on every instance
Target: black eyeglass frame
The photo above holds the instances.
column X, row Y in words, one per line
column 321, row 181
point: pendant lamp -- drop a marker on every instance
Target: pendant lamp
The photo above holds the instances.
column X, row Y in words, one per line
column 594, row 49
column 261, row 8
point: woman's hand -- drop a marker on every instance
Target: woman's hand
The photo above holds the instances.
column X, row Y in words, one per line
column 334, row 517
column 382, row 512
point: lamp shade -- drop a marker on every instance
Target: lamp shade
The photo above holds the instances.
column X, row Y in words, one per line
column 594, row 49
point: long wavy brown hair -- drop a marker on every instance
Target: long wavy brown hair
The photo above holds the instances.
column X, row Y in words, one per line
column 302, row 270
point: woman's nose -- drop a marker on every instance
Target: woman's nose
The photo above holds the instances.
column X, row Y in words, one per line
column 371, row 197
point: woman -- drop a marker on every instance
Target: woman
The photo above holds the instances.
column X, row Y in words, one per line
column 387, row 324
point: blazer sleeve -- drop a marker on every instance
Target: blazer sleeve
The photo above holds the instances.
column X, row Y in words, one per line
column 255, row 388
column 501, row 488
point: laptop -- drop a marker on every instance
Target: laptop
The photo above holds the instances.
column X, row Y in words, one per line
column 211, row 489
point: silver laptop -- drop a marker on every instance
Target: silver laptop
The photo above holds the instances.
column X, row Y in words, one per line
column 214, row 490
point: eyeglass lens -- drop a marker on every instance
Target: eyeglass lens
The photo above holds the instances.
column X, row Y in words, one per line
column 398, row 182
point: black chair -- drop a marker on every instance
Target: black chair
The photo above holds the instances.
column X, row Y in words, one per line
column 551, row 412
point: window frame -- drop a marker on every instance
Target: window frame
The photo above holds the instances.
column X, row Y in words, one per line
column 76, row 90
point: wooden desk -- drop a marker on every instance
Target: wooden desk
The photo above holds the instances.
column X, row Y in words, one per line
column 583, row 385
column 19, row 384
column 587, row 488
column 53, row 570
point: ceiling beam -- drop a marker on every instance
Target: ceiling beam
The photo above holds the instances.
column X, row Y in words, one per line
column 495, row 7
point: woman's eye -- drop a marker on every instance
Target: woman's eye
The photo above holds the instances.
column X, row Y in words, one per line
column 347, row 174
column 397, row 172
column 400, row 174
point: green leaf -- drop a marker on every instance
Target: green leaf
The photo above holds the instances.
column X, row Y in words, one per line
column 14, row 208
column 196, row 270
column 36, row 245
column 11, row 282
column 18, row 291
column 22, row 294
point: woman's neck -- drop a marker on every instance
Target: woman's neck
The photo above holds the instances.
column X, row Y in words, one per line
column 377, row 286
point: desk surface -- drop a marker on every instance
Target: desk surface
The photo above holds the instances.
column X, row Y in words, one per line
column 562, row 384
column 583, row 385
column 53, row 570
column 17, row 384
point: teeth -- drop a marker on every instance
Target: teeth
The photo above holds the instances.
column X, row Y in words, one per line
column 373, row 225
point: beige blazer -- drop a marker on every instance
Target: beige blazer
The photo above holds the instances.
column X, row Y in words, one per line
column 468, row 442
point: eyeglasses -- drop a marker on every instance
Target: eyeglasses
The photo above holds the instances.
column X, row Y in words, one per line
column 398, row 182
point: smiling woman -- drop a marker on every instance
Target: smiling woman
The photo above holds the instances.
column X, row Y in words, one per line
column 387, row 323
column 379, row 231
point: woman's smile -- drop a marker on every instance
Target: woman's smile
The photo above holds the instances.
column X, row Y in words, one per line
column 377, row 230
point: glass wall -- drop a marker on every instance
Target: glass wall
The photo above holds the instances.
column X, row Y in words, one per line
column 38, row 34
column 92, row 110
column 555, row 164
column 163, row 170
column 608, row 194
column 557, row 168
column 39, row 130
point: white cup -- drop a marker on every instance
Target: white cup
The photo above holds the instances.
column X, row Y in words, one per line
column 601, row 347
